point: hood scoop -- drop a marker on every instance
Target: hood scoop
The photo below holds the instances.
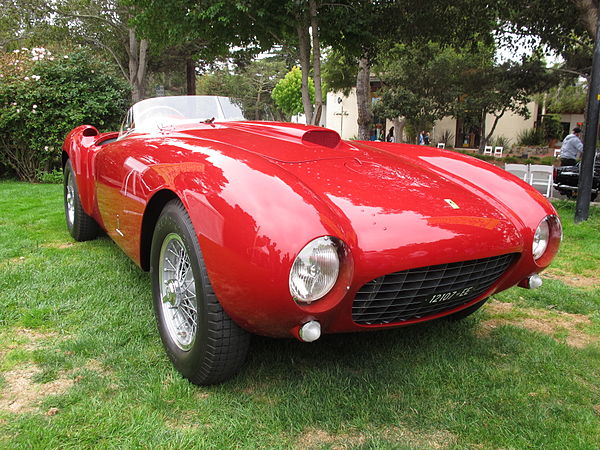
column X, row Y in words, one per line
column 324, row 137
column 307, row 135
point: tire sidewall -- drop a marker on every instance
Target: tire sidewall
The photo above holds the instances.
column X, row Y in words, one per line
column 68, row 173
column 173, row 220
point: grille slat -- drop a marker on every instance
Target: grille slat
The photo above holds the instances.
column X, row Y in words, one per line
column 409, row 294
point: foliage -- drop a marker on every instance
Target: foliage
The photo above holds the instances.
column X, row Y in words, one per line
column 252, row 85
column 44, row 96
column 495, row 89
column 55, row 176
column 551, row 126
column 567, row 27
column 501, row 141
column 447, row 137
column 288, row 92
column 531, row 137
column 417, row 84
column 339, row 72
column 565, row 99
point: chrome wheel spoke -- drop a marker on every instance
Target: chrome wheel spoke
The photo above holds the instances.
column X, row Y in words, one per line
column 178, row 291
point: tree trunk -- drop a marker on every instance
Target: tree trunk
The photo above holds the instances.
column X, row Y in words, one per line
column 190, row 75
column 399, row 123
column 588, row 15
column 363, row 99
column 316, row 47
column 482, row 138
column 138, row 64
column 496, row 120
column 304, row 49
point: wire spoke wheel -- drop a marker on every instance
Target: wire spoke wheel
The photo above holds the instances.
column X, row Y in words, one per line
column 80, row 225
column 201, row 340
column 70, row 200
column 178, row 292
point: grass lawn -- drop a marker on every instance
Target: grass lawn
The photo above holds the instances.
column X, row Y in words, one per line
column 81, row 363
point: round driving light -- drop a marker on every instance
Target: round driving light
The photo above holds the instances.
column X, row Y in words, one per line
column 315, row 270
column 535, row 281
column 310, row 331
column 540, row 239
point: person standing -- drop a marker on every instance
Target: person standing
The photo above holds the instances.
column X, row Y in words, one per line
column 390, row 135
column 571, row 148
column 422, row 137
column 426, row 138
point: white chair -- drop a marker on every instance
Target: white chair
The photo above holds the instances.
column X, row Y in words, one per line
column 441, row 145
column 498, row 152
column 540, row 177
column 556, row 152
column 487, row 150
column 519, row 170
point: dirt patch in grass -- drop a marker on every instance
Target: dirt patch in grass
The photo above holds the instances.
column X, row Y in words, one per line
column 21, row 394
column 315, row 438
column 26, row 339
column 12, row 261
column 571, row 279
column 539, row 320
column 57, row 245
column 186, row 421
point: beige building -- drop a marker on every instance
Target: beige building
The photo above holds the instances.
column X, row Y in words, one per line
column 342, row 114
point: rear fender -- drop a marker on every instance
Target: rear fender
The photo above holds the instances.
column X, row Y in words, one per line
column 79, row 145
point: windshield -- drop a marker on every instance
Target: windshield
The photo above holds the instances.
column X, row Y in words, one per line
column 155, row 113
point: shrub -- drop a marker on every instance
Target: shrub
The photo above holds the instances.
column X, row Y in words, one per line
column 53, row 177
column 501, row 141
column 531, row 137
column 552, row 127
column 447, row 137
column 287, row 93
column 42, row 97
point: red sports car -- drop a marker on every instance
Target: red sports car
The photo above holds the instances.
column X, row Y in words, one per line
column 284, row 230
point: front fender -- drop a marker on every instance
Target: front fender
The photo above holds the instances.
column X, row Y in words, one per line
column 252, row 218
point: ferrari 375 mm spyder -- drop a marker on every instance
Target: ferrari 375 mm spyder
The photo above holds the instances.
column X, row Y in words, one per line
column 281, row 229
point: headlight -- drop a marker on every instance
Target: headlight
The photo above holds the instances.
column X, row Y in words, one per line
column 541, row 239
column 315, row 270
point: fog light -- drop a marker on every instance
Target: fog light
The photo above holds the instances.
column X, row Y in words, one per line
column 535, row 281
column 310, row 331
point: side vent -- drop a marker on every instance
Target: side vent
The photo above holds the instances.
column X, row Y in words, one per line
column 324, row 137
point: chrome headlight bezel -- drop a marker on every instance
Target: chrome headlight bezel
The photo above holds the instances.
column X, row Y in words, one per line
column 541, row 238
column 315, row 270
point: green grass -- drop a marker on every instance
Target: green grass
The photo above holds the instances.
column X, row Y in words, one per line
column 80, row 352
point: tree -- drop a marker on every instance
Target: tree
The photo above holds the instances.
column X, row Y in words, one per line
column 426, row 83
column 39, row 89
column 288, row 92
column 251, row 84
column 367, row 30
column 102, row 25
column 419, row 83
column 569, row 97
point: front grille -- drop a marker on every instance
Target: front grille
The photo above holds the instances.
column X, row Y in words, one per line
column 425, row 291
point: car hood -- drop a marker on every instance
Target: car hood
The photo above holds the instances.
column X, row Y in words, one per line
column 394, row 203
column 387, row 202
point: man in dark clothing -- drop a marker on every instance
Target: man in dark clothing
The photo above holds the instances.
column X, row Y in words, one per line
column 571, row 148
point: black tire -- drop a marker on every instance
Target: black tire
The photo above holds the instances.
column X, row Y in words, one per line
column 217, row 347
column 81, row 226
column 464, row 313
